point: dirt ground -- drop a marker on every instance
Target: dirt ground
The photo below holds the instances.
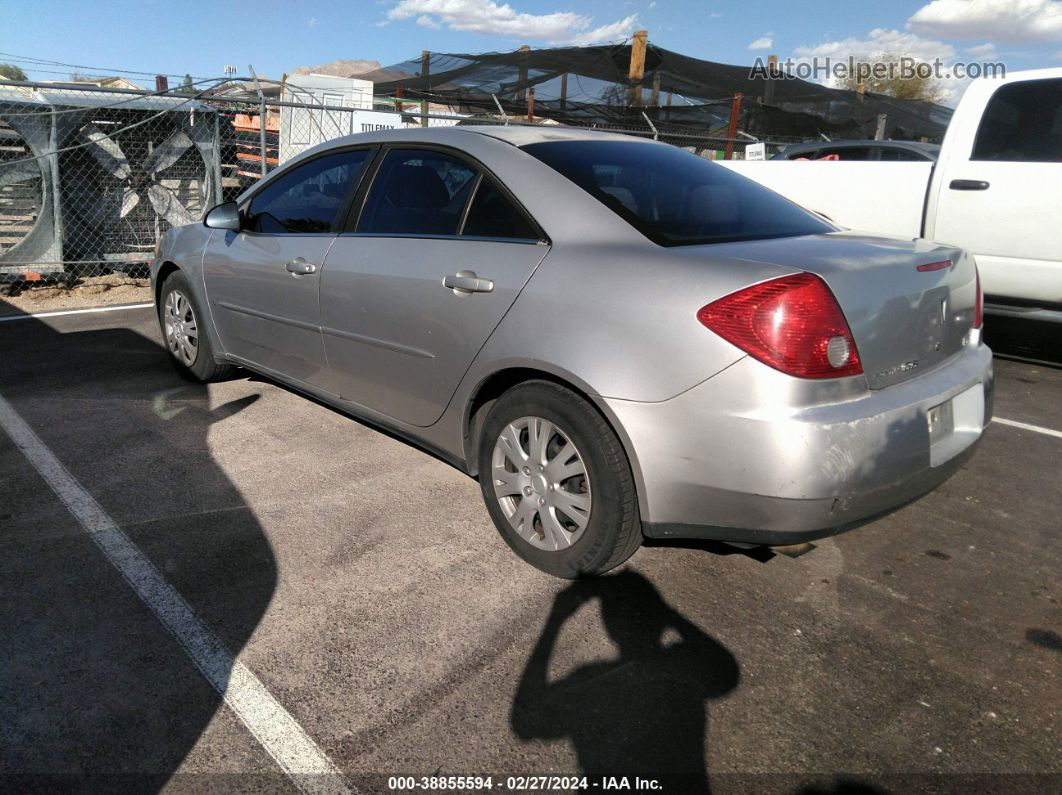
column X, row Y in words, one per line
column 109, row 290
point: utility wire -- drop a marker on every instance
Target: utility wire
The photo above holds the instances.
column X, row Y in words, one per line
column 46, row 62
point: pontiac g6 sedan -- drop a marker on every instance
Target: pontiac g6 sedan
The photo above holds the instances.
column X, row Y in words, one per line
column 618, row 338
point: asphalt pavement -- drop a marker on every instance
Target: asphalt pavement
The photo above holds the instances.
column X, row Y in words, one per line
column 361, row 583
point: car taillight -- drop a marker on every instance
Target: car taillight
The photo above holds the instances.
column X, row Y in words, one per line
column 979, row 302
column 793, row 324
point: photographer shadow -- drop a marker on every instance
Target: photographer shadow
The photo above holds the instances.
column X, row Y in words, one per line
column 642, row 713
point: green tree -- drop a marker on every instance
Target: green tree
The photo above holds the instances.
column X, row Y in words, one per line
column 12, row 72
column 897, row 76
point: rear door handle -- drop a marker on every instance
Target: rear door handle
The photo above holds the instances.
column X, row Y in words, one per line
column 466, row 283
column 300, row 267
column 968, row 184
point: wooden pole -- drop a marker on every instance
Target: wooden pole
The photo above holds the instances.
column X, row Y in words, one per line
column 636, row 72
column 655, row 101
column 564, row 92
column 521, row 87
column 667, row 113
column 425, row 75
column 731, row 130
column 398, row 97
column 879, row 133
column 531, row 104
column 768, row 90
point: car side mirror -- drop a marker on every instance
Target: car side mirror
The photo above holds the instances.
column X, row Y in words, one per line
column 224, row 216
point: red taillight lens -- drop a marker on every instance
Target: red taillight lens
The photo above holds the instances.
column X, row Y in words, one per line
column 979, row 303
column 793, row 324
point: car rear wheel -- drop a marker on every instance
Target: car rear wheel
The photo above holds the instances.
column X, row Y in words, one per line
column 557, row 482
column 189, row 346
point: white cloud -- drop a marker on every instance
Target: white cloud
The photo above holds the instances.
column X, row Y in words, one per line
column 311, row 22
column 987, row 50
column 1015, row 21
column 763, row 43
column 492, row 18
column 883, row 41
column 880, row 41
column 620, row 29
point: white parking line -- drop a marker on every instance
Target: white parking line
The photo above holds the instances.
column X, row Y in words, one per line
column 1027, row 427
column 60, row 312
column 275, row 729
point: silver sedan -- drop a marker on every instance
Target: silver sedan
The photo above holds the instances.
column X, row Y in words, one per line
column 620, row 339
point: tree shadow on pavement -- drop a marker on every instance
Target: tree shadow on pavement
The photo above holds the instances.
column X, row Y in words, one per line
column 95, row 693
column 642, row 713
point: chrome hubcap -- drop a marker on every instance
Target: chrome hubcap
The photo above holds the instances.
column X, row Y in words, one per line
column 541, row 483
column 182, row 332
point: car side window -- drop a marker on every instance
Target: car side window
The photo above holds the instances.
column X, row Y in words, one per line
column 899, row 155
column 1022, row 123
column 491, row 214
column 307, row 199
column 417, row 192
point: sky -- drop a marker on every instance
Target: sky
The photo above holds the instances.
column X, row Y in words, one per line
column 201, row 37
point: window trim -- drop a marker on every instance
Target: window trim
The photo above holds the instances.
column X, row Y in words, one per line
column 344, row 206
column 353, row 218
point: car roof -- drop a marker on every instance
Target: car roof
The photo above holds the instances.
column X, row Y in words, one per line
column 523, row 134
column 515, row 134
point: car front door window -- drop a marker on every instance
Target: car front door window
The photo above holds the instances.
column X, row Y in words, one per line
column 307, row 199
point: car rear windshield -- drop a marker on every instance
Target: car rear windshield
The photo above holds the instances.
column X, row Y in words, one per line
column 674, row 197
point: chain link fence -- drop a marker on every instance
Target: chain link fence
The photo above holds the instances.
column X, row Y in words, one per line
column 90, row 178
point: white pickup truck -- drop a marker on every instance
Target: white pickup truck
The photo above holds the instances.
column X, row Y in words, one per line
column 996, row 190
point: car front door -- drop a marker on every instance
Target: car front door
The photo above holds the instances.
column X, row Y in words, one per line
column 1000, row 192
column 435, row 258
column 263, row 281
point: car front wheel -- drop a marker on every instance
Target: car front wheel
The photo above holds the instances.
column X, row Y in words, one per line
column 187, row 343
column 557, row 482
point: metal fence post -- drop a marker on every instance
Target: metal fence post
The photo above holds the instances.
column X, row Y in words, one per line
column 261, row 118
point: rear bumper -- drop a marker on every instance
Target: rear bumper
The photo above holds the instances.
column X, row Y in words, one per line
column 752, row 455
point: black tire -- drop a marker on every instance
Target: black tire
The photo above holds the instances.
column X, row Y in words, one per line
column 613, row 531
column 203, row 368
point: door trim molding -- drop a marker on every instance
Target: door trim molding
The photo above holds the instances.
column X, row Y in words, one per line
column 398, row 347
column 287, row 321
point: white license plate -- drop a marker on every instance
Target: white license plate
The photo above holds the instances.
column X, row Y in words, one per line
column 941, row 421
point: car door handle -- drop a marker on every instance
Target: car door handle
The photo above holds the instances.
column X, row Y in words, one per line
column 466, row 283
column 968, row 184
column 300, row 267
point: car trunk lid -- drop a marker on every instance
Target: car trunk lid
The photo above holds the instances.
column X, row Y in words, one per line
column 909, row 304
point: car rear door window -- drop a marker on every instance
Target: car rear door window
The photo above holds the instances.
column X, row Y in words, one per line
column 417, row 192
column 491, row 214
column 306, row 199
column 1022, row 123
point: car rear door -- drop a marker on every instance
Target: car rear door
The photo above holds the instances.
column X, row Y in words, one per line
column 999, row 191
column 263, row 281
column 433, row 260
